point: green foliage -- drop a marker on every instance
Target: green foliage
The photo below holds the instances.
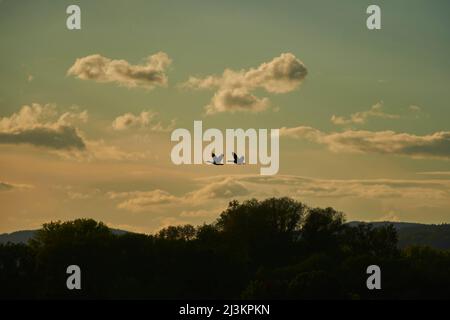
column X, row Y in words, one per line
column 277, row 248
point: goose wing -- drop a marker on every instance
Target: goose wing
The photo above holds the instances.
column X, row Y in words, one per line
column 218, row 159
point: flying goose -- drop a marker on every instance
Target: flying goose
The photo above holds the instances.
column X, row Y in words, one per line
column 217, row 160
column 237, row 160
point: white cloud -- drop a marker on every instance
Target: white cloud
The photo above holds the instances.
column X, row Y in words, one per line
column 101, row 69
column 41, row 125
column 305, row 187
column 70, row 118
column 391, row 216
column 376, row 111
column 46, row 126
column 76, row 193
column 435, row 145
column 360, row 198
column 146, row 119
column 281, row 75
column 100, row 150
column 224, row 188
column 199, row 213
column 129, row 120
column 235, row 100
column 4, row 186
column 142, row 201
column 7, row 186
column 417, row 112
column 414, row 108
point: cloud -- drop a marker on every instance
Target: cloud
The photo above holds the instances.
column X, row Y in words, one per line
column 301, row 132
column 435, row 145
column 281, row 75
column 235, row 100
column 146, row 119
column 199, row 213
column 40, row 125
column 414, row 108
column 417, row 111
column 141, row 201
column 138, row 201
column 6, row 186
column 224, row 188
column 391, row 216
column 126, row 227
column 360, row 198
column 103, row 151
column 435, row 173
column 305, row 187
column 376, row 111
column 372, row 189
column 70, row 118
column 76, row 193
column 37, row 115
column 45, row 126
column 129, row 120
column 60, row 138
column 101, row 69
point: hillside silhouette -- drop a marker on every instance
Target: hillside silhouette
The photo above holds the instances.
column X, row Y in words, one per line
column 409, row 234
column 277, row 248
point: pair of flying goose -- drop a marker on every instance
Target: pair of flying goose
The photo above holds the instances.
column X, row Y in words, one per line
column 217, row 160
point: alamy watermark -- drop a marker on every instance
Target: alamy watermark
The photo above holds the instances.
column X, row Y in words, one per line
column 73, row 21
column 230, row 147
column 74, row 279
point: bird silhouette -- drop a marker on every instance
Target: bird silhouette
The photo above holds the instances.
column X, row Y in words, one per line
column 217, row 160
column 237, row 160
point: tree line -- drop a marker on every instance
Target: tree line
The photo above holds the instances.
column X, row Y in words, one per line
column 276, row 248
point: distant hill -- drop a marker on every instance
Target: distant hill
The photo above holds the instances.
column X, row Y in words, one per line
column 436, row 236
column 17, row 237
column 25, row 235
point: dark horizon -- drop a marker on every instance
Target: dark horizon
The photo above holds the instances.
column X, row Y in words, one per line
column 267, row 250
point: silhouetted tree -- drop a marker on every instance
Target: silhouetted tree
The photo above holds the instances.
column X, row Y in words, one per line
column 276, row 248
column 186, row 232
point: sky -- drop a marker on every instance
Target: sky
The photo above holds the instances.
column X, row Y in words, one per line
column 86, row 115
